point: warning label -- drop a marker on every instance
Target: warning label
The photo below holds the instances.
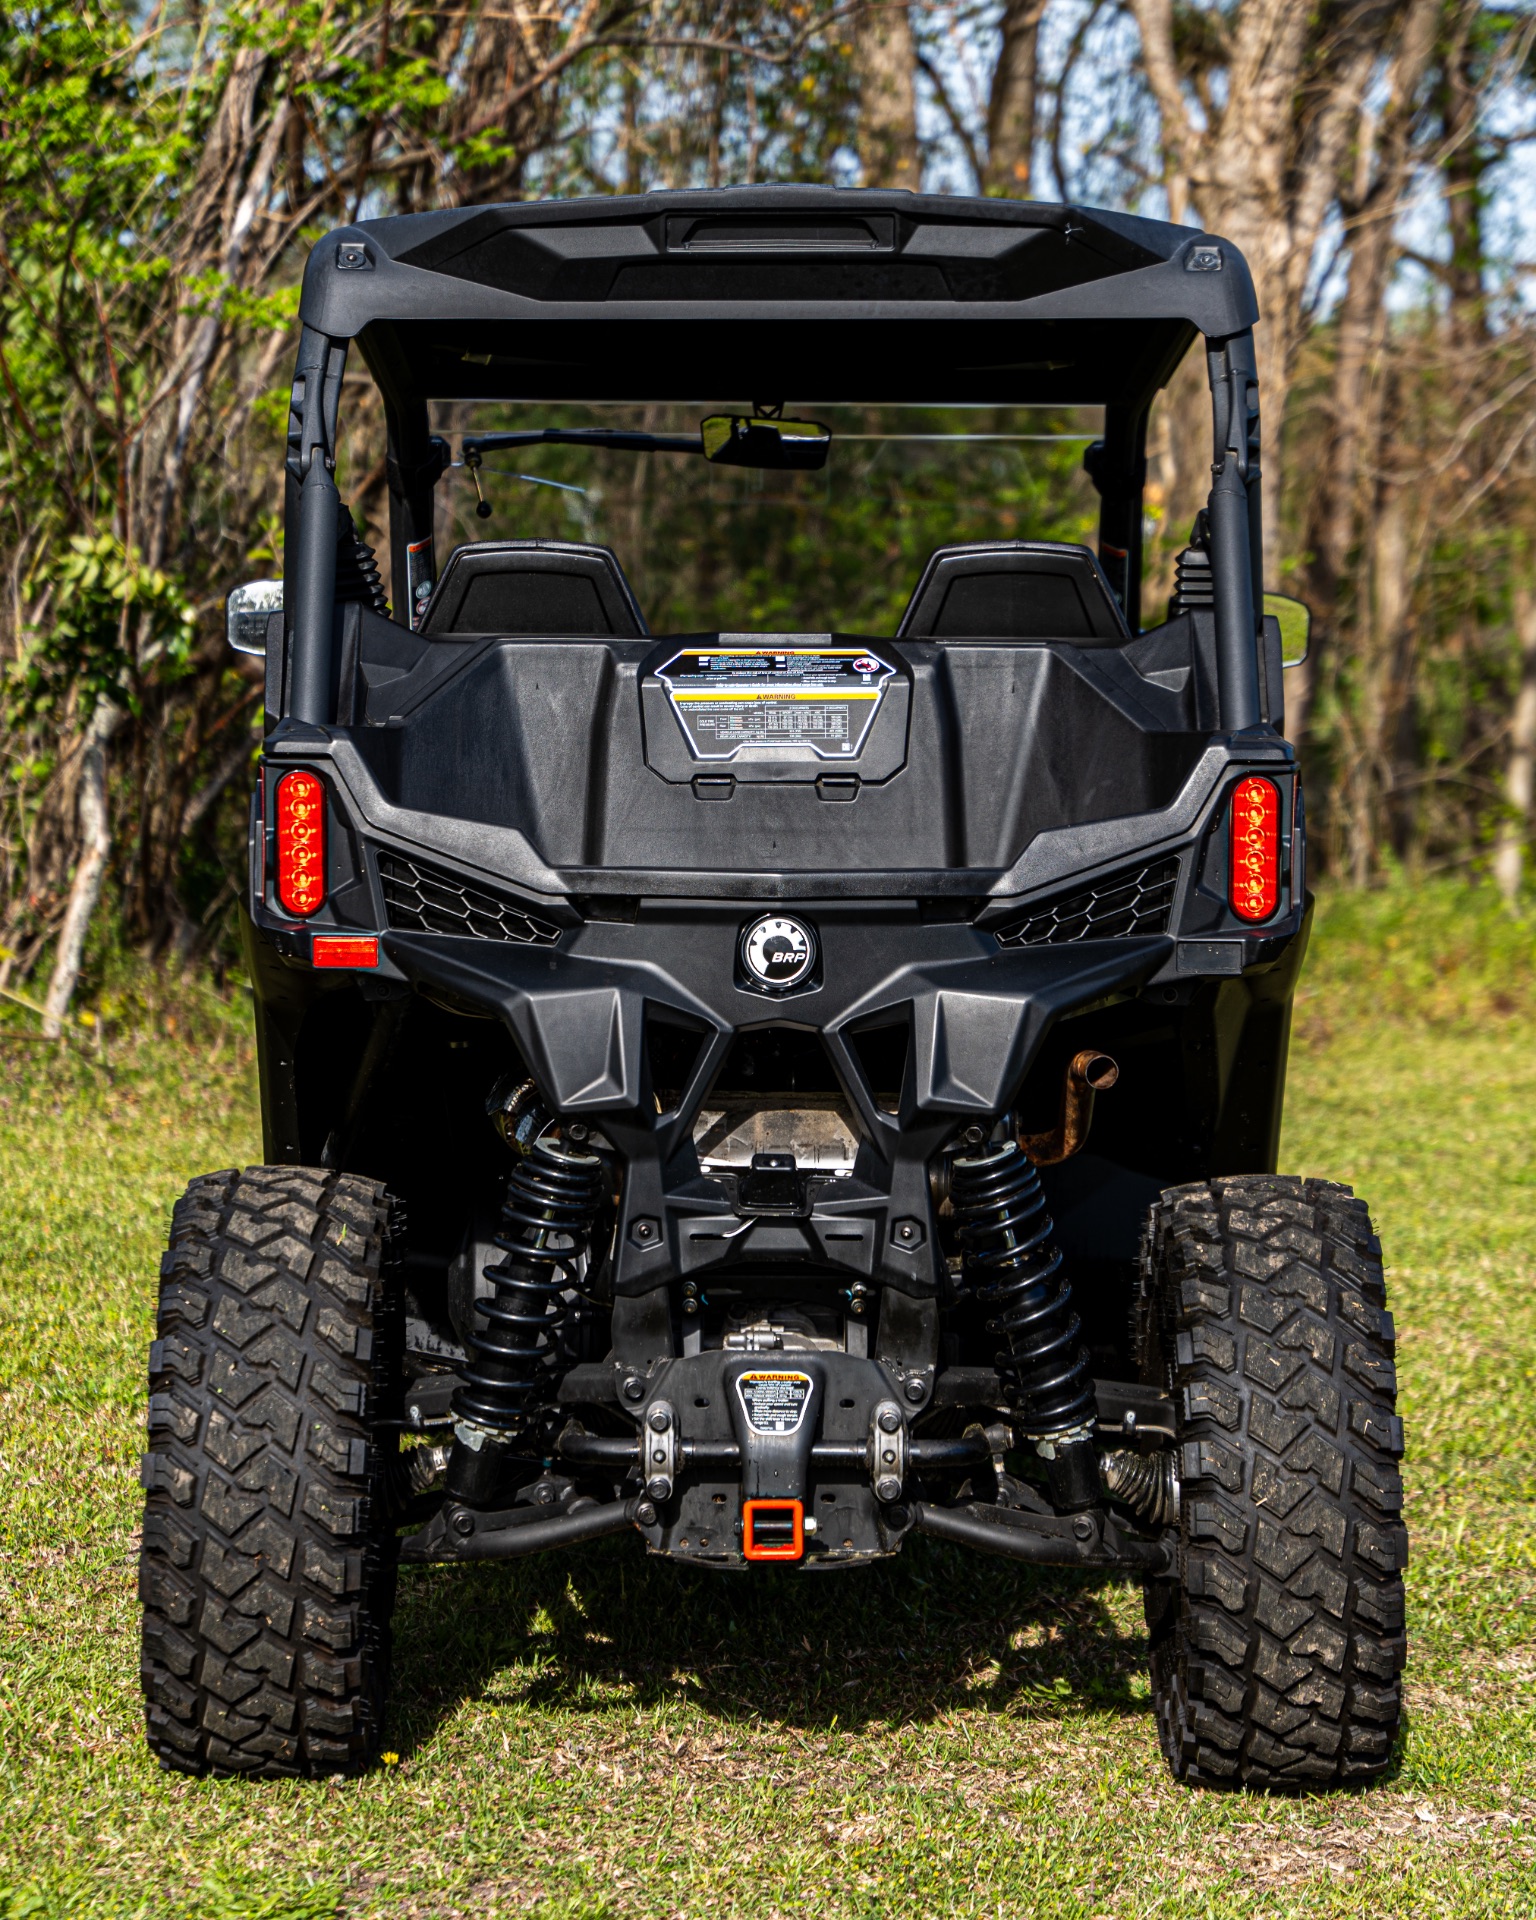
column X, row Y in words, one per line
column 759, row 695
column 774, row 1402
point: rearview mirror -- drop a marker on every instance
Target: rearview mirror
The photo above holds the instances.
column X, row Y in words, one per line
column 779, row 446
column 1295, row 618
column 247, row 611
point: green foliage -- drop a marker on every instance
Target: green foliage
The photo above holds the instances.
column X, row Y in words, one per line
column 110, row 622
column 164, row 172
column 1420, row 951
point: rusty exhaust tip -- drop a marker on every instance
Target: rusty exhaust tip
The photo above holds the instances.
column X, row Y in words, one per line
column 1089, row 1072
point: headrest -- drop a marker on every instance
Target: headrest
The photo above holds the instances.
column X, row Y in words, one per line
column 533, row 587
column 1015, row 590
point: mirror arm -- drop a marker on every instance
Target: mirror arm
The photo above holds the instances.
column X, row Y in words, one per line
column 474, row 445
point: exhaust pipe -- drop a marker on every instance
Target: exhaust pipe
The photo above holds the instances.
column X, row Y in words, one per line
column 1089, row 1072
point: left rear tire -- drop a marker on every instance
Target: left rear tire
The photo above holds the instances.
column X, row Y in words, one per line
column 267, row 1567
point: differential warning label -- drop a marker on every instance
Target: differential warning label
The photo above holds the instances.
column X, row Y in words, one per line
column 740, row 695
column 774, row 1402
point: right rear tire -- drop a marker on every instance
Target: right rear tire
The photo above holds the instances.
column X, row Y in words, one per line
column 1277, row 1646
column 268, row 1561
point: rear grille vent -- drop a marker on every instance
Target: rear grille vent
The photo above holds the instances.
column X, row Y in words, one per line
column 1134, row 900
column 423, row 899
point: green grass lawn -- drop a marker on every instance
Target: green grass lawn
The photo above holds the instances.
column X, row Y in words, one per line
column 942, row 1736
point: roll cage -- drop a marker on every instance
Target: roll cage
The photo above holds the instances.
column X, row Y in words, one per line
column 817, row 293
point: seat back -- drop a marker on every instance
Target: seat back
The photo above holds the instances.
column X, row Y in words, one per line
column 544, row 587
column 1015, row 590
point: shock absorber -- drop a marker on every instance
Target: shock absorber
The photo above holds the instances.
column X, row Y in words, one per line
column 554, row 1195
column 1005, row 1235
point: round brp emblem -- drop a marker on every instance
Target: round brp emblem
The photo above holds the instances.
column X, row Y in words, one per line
column 778, row 952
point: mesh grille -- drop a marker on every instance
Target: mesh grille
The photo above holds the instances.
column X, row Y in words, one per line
column 1134, row 900
column 423, row 899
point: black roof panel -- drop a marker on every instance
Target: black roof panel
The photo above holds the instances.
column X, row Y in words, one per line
column 758, row 288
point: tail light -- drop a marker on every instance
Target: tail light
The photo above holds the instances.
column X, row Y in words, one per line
column 300, row 810
column 1255, row 882
column 344, row 950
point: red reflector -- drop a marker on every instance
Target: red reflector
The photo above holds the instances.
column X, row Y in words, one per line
column 300, row 808
column 1255, row 889
column 345, row 950
column 772, row 1529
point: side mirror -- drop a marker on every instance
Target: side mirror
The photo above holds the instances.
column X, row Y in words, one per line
column 779, row 446
column 1295, row 618
column 246, row 612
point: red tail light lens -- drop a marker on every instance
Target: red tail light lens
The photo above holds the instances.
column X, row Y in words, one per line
column 344, row 950
column 1255, row 885
column 300, row 805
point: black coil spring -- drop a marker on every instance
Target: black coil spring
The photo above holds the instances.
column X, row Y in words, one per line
column 357, row 568
column 1005, row 1233
column 551, row 1206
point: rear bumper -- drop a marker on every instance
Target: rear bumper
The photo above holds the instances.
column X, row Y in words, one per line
column 975, row 1017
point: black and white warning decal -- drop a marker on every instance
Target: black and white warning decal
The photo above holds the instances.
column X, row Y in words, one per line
column 774, row 1401
column 751, row 692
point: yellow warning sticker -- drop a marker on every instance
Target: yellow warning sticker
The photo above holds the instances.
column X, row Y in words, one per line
column 821, row 698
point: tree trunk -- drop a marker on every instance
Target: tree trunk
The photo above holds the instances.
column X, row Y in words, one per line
column 886, row 61
column 1011, row 106
column 1379, row 698
column 1466, row 161
column 1329, row 533
column 1261, row 170
column 85, row 890
column 1520, row 770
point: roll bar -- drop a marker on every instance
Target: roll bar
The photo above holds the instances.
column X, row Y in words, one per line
column 1237, row 538
column 311, row 512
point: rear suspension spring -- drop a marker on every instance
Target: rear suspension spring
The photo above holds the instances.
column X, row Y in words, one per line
column 1005, row 1235
column 553, row 1199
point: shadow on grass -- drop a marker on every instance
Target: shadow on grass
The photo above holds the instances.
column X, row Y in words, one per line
column 902, row 1643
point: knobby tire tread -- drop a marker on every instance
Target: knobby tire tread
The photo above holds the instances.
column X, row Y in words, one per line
column 1276, row 1651
column 267, row 1566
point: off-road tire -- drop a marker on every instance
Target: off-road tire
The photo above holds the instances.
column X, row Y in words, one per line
column 268, row 1562
column 1277, row 1647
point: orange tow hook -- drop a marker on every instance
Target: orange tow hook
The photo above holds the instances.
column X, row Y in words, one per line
column 773, row 1529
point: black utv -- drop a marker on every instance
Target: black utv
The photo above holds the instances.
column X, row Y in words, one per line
column 771, row 1093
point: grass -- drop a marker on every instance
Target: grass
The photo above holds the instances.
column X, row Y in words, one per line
column 611, row 1740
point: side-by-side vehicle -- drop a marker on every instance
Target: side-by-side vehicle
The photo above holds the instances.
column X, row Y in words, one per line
column 772, row 1094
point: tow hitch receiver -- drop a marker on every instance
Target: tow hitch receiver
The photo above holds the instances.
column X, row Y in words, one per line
column 773, row 1529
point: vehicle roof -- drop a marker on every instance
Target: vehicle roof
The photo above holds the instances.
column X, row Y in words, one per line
column 757, row 291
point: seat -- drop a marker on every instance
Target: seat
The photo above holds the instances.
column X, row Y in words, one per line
column 1015, row 590
column 544, row 587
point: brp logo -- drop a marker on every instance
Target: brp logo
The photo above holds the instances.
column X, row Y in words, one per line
column 777, row 952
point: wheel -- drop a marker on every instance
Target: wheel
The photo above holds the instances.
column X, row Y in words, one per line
column 1276, row 1647
column 268, row 1561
